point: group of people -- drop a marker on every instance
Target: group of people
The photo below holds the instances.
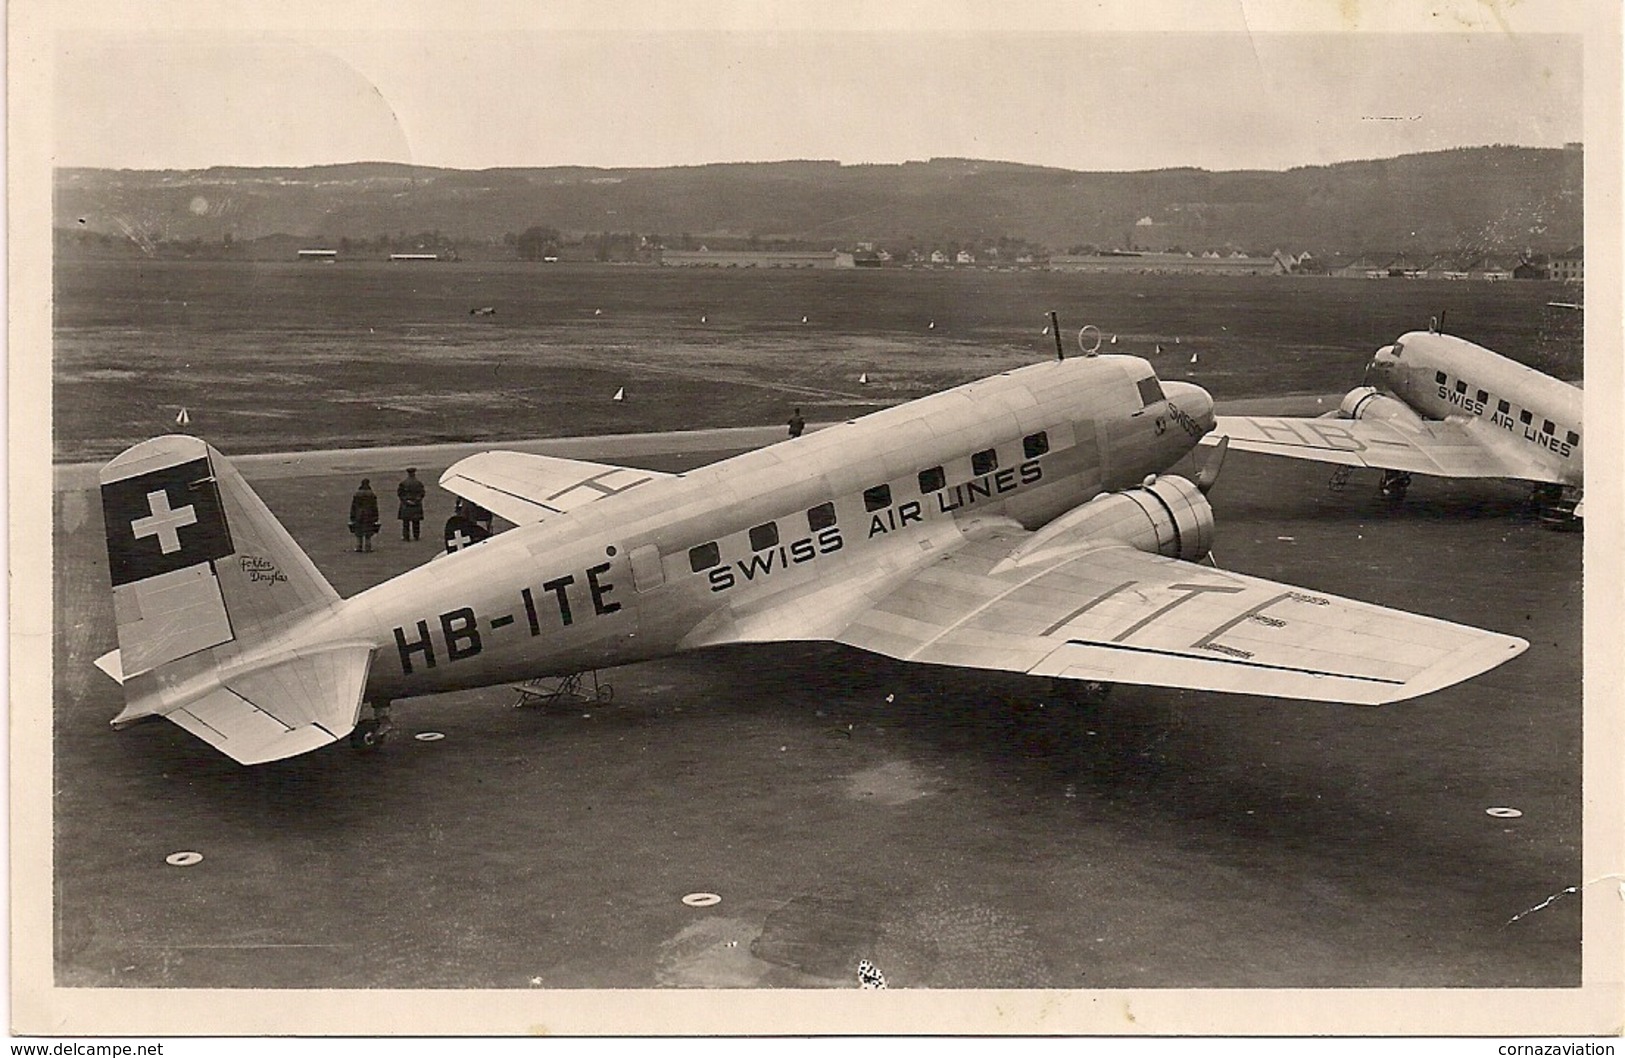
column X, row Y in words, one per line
column 468, row 524
column 364, row 523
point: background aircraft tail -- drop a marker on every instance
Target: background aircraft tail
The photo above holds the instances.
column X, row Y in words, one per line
column 204, row 580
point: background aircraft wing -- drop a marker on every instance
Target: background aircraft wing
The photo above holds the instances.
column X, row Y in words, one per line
column 1448, row 449
column 1115, row 614
column 528, row 488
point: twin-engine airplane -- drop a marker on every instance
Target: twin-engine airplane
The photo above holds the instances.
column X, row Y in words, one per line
column 1448, row 408
column 1013, row 523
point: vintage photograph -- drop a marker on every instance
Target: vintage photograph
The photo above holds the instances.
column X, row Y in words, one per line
column 556, row 513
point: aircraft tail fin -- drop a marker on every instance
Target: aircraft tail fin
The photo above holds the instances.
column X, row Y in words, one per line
column 203, row 574
column 196, row 558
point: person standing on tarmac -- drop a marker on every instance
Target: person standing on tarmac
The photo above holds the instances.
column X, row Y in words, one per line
column 364, row 515
column 797, row 423
column 411, row 491
column 463, row 528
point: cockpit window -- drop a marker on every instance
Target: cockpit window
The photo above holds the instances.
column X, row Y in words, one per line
column 1399, row 347
column 1150, row 390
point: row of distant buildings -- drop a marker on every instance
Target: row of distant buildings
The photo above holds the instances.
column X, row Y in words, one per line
column 1569, row 265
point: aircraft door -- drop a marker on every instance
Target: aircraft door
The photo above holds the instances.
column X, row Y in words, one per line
column 647, row 571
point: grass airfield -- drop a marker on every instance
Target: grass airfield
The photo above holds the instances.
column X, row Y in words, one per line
column 957, row 829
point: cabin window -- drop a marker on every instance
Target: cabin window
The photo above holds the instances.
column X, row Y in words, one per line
column 764, row 536
column 1502, row 406
column 1035, row 444
column 877, row 498
column 1461, row 387
column 1481, row 396
column 1573, row 438
column 1438, row 376
column 1525, row 417
column 821, row 516
column 984, row 462
column 1150, row 390
column 703, row 557
column 1547, row 428
column 932, row 481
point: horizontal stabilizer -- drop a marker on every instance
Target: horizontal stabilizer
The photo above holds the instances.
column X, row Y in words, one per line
column 278, row 711
column 111, row 664
column 526, row 488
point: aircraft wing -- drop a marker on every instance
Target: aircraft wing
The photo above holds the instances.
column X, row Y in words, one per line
column 528, row 488
column 1452, row 448
column 1112, row 613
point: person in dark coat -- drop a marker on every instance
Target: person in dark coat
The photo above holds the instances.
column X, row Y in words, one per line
column 410, row 491
column 364, row 515
column 797, row 423
column 463, row 529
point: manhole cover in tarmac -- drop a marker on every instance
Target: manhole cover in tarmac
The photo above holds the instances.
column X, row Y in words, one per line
column 183, row 859
column 702, row 899
column 1503, row 813
column 428, row 736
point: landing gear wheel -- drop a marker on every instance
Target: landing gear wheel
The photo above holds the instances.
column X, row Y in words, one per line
column 1554, row 505
column 1394, row 484
column 1081, row 693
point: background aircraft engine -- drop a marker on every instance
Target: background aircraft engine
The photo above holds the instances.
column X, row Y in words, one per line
column 1368, row 403
column 1169, row 516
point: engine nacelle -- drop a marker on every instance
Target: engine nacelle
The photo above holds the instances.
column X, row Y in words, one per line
column 1369, row 403
column 1169, row 516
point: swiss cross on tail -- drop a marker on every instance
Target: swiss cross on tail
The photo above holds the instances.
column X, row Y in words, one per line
column 162, row 521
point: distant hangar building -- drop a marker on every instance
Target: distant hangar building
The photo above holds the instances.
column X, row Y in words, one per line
column 1149, row 261
column 756, row 259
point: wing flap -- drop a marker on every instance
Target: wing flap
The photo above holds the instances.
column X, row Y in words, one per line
column 526, row 488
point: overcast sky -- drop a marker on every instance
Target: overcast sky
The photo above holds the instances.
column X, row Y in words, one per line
column 1228, row 90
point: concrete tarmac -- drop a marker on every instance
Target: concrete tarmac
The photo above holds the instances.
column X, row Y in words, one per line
column 955, row 828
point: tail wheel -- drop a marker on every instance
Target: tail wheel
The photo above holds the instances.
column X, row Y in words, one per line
column 367, row 737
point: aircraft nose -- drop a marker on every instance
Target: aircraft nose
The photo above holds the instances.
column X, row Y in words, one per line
column 1381, row 361
column 1193, row 401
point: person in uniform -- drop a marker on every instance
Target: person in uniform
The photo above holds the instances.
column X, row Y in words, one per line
column 797, row 423
column 364, row 515
column 410, row 491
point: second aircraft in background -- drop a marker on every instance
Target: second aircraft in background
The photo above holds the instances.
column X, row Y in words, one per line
column 1442, row 406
